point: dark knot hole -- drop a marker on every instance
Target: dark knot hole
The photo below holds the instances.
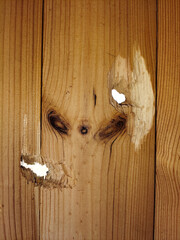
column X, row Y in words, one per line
column 84, row 130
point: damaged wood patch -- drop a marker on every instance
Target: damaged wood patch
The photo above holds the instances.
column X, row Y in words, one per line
column 136, row 85
column 58, row 174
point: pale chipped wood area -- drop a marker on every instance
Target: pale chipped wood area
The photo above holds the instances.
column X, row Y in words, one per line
column 20, row 88
column 167, row 215
column 136, row 86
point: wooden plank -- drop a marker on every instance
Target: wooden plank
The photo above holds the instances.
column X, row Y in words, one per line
column 114, row 193
column 167, row 220
column 20, row 95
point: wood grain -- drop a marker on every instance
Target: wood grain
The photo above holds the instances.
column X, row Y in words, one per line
column 114, row 194
column 167, row 221
column 20, row 92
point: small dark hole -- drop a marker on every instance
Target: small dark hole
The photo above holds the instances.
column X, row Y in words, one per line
column 84, row 130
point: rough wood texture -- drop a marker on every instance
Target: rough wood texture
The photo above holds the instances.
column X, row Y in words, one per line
column 167, row 221
column 114, row 193
column 20, row 87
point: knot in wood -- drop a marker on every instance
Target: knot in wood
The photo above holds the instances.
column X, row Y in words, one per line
column 84, row 130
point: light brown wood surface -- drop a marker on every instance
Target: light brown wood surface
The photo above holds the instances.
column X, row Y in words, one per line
column 167, row 220
column 20, row 88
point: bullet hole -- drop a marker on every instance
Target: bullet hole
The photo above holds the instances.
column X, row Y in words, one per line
column 84, row 130
column 37, row 168
column 118, row 97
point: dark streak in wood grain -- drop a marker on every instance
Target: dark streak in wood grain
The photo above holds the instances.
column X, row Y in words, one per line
column 95, row 97
column 58, row 122
column 115, row 126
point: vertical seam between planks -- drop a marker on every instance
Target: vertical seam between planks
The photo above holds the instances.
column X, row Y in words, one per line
column 42, row 45
column 42, row 30
column 155, row 150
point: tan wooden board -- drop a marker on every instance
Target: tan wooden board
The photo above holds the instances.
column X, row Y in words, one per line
column 114, row 193
column 20, row 93
column 167, row 220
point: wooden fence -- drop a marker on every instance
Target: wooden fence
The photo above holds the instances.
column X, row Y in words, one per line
column 59, row 61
